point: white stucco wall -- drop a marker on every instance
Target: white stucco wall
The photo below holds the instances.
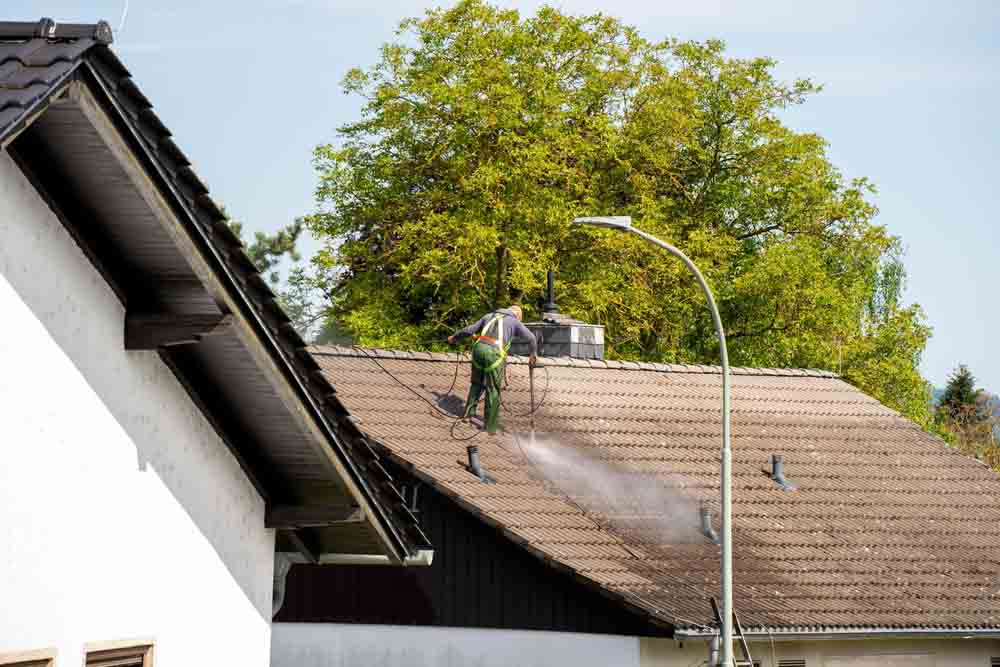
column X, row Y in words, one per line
column 343, row 645
column 340, row 645
column 122, row 514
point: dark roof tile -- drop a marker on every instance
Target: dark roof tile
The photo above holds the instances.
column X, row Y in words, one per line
column 21, row 51
column 52, row 52
column 9, row 116
column 27, row 76
column 22, row 97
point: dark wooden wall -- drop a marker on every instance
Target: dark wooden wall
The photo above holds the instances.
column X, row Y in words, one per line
column 479, row 579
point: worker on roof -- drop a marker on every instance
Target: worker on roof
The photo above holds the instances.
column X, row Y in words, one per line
column 493, row 333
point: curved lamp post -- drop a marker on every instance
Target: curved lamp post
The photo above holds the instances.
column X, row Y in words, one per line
column 624, row 223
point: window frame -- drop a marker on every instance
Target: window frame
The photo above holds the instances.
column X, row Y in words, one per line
column 45, row 657
column 117, row 650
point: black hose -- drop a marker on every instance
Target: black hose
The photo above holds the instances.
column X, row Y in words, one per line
column 517, row 440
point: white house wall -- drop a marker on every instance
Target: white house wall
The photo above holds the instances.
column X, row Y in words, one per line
column 346, row 645
column 122, row 514
column 341, row 645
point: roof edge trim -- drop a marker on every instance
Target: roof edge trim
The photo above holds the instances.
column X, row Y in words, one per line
column 849, row 633
column 423, row 558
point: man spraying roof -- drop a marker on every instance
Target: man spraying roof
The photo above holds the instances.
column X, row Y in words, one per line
column 493, row 333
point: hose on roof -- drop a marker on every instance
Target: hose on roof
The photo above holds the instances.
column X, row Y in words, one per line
column 517, row 440
column 447, row 415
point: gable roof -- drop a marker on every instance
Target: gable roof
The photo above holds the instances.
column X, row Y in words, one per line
column 77, row 124
column 889, row 528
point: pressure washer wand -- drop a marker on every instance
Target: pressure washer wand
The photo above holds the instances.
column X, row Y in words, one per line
column 531, row 391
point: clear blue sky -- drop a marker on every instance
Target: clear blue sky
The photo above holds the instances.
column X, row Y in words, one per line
column 911, row 100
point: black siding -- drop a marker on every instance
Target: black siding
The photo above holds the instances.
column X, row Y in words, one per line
column 479, row 579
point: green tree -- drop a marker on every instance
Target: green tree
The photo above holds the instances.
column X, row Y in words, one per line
column 960, row 394
column 483, row 133
column 967, row 413
column 302, row 294
column 267, row 251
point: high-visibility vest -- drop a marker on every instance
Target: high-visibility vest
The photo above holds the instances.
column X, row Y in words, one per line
column 498, row 321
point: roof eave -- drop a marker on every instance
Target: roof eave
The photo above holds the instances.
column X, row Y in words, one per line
column 393, row 539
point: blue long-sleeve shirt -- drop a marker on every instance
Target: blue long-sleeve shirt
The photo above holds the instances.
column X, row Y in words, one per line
column 511, row 327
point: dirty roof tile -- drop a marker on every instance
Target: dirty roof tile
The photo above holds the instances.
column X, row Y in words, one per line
column 888, row 527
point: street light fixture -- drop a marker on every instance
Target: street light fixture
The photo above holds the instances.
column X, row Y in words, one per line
column 624, row 223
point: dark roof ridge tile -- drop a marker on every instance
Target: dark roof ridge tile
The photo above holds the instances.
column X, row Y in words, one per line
column 49, row 29
column 569, row 362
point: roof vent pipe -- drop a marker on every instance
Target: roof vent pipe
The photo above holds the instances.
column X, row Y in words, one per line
column 706, row 525
column 475, row 467
column 778, row 473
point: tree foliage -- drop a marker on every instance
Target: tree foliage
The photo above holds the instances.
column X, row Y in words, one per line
column 960, row 393
column 302, row 294
column 967, row 415
column 268, row 250
column 483, row 133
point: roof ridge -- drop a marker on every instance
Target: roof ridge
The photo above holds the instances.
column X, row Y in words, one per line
column 48, row 28
column 570, row 362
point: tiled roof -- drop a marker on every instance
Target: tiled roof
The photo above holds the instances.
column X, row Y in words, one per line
column 37, row 60
column 889, row 528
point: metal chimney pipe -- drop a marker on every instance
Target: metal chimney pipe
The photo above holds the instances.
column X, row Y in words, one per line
column 550, row 295
column 777, row 466
column 474, row 465
column 778, row 473
column 706, row 525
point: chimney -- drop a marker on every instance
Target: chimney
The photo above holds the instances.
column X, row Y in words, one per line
column 561, row 336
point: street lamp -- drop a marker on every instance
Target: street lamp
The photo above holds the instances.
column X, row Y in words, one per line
column 624, row 223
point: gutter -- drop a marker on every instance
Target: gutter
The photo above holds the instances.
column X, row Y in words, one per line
column 846, row 633
column 423, row 558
